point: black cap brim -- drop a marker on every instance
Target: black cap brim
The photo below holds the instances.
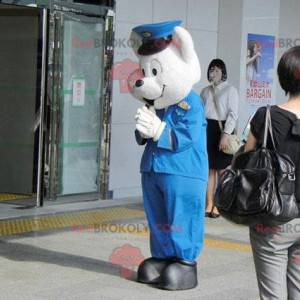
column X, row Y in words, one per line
column 154, row 46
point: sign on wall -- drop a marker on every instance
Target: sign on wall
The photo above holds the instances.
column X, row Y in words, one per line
column 78, row 91
column 260, row 69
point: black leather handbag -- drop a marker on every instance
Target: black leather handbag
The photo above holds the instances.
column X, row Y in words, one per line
column 259, row 186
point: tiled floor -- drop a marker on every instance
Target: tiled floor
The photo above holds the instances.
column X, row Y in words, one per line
column 94, row 253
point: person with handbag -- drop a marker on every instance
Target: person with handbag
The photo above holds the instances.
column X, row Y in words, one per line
column 276, row 249
column 221, row 111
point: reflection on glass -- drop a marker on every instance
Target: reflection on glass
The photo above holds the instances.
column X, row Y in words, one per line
column 80, row 106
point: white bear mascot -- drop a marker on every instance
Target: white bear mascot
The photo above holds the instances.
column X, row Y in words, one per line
column 174, row 165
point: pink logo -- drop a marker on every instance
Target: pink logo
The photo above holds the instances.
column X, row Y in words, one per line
column 127, row 257
column 77, row 42
column 267, row 229
column 127, row 72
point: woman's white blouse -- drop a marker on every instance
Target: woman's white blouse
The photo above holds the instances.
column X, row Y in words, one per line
column 228, row 100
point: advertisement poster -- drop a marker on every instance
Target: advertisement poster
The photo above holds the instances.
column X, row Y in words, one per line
column 260, row 69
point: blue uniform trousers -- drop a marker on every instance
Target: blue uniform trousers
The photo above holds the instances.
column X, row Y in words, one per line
column 175, row 208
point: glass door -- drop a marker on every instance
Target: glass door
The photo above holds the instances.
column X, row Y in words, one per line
column 80, row 104
column 22, row 78
column 78, row 72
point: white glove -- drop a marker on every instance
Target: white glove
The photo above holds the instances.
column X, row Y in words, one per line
column 148, row 124
column 140, row 133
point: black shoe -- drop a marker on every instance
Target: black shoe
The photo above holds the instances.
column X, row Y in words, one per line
column 150, row 269
column 179, row 275
column 214, row 215
column 207, row 214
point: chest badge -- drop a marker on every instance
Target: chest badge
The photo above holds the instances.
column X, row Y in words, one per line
column 184, row 105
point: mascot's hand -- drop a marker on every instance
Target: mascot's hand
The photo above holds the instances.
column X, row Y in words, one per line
column 148, row 124
column 136, row 119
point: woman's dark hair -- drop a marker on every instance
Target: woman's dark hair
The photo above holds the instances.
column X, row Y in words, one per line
column 251, row 46
column 219, row 63
column 288, row 71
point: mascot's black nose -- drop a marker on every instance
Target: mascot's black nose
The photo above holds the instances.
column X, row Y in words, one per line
column 139, row 83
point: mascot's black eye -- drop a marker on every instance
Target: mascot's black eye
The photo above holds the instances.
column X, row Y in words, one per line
column 143, row 71
column 154, row 72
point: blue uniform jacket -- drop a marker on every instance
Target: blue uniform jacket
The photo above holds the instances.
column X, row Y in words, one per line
column 181, row 149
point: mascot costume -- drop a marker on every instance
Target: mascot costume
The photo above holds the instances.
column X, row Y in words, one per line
column 174, row 165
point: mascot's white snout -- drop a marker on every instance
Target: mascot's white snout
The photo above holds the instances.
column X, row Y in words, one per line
column 148, row 89
column 161, row 84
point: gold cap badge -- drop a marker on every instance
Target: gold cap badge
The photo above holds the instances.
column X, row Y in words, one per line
column 147, row 34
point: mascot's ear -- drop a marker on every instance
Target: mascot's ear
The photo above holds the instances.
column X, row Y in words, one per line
column 183, row 41
column 135, row 41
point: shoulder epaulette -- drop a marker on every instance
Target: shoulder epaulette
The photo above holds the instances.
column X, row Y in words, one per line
column 184, row 105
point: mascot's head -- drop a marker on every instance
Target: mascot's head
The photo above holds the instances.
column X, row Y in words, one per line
column 168, row 62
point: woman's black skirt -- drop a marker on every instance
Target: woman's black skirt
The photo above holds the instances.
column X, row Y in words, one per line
column 218, row 160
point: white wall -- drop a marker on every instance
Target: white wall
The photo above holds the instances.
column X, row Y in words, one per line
column 200, row 17
column 237, row 18
column 289, row 33
column 230, row 37
column 259, row 17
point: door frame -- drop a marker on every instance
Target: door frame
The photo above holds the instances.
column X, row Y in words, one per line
column 41, row 157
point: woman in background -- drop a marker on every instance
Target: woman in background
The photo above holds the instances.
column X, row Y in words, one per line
column 226, row 98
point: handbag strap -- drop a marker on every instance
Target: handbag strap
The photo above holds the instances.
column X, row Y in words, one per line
column 217, row 108
column 268, row 128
